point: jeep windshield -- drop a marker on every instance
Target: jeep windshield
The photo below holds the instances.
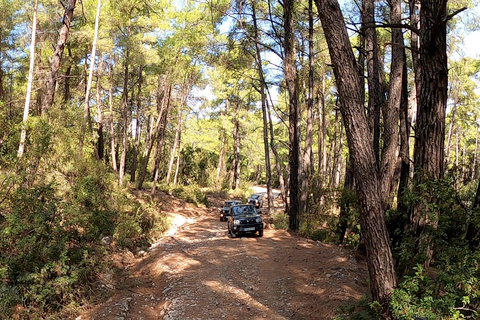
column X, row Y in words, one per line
column 244, row 211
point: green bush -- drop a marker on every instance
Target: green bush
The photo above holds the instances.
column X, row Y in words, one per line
column 280, row 220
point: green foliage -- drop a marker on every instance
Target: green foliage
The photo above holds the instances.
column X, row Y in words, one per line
column 280, row 220
column 198, row 166
column 191, row 193
column 46, row 259
column 449, row 289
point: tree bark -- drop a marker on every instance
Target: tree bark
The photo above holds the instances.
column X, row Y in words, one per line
column 362, row 154
column 291, row 80
column 26, row 110
column 307, row 167
column 373, row 70
column 57, row 55
column 430, row 126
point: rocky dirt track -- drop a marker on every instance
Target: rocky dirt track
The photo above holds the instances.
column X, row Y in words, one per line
column 198, row 272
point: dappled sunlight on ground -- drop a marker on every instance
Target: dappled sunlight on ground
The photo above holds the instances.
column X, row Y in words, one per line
column 197, row 272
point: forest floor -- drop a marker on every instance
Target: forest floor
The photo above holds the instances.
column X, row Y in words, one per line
column 197, row 272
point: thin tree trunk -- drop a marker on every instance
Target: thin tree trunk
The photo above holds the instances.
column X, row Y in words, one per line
column 124, row 113
column 236, row 149
column 263, row 95
column 177, row 167
column 100, row 148
column 87, row 122
column 176, row 142
column 161, row 140
column 450, row 131
column 345, row 205
column 164, row 106
column 28, row 96
column 278, row 162
column 137, row 127
column 474, row 169
column 112, row 116
column 322, row 139
column 67, row 95
column 57, row 55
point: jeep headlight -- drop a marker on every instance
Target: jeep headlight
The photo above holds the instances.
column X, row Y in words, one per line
column 236, row 221
column 258, row 219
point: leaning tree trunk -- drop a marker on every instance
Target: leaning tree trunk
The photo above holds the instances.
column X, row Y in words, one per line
column 362, row 154
column 28, row 96
column 57, row 55
column 87, row 122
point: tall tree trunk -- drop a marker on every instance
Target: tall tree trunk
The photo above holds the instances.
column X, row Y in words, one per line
column 26, row 110
column 160, row 143
column 307, row 167
column 373, row 70
column 263, row 95
column 48, row 98
column 163, row 105
column 322, row 138
column 112, row 115
column 450, row 131
column 124, row 113
column 136, row 147
column 391, row 108
column 236, row 165
column 348, row 185
column 66, row 94
column 475, row 155
column 100, row 147
column 87, row 122
column 176, row 142
column 430, row 126
column 362, row 154
column 291, row 80
column 415, row 7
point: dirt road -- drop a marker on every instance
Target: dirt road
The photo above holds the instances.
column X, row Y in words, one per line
column 197, row 272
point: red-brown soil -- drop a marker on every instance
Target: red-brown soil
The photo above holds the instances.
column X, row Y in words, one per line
column 197, row 272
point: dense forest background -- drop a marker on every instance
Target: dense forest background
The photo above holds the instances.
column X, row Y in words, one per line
column 367, row 121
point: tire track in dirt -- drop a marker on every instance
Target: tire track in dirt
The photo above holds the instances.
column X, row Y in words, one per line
column 197, row 272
